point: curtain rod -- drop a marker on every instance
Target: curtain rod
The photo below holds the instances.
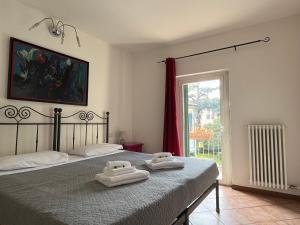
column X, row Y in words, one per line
column 266, row 39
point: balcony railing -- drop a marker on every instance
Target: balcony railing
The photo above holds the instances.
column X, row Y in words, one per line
column 207, row 145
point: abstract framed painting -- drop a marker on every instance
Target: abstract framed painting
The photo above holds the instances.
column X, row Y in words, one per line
column 43, row 75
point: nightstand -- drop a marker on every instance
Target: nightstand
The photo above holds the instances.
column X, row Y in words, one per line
column 133, row 146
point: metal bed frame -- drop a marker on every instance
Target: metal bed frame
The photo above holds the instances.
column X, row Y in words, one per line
column 19, row 116
column 57, row 120
column 86, row 118
column 183, row 218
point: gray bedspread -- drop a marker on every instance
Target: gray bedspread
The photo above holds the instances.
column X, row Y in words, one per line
column 68, row 194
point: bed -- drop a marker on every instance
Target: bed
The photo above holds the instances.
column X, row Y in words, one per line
column 67, row 194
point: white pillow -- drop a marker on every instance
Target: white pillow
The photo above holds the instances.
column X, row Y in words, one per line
column 96, row 150
column 29, row 160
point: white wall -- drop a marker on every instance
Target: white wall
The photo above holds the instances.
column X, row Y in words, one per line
column 264, row 81
column 109, row 77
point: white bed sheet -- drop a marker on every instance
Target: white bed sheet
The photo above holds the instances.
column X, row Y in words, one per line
column 72, row 158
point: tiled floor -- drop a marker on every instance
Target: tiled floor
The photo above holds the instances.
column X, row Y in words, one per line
column 239, row 208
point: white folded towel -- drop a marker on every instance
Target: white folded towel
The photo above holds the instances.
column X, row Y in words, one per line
column 117, row 164
column 114, row 184
column 164, row 165
column 111, row 181
column 158, row 160
column 162, row 155
column 118, row 171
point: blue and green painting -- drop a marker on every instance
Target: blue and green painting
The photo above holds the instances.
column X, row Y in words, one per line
column 39, row 74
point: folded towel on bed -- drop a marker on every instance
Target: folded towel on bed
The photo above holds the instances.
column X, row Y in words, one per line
column 117, row 164
column 158, row 160
column 111, row 181
column 128, row 176
column 114, row 184
column 164, row 165
column 162, row 155
column 118, row 171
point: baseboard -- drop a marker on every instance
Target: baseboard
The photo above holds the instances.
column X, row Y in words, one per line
column 265, row 192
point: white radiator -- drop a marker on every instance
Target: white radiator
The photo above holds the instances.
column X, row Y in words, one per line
column 267, row 156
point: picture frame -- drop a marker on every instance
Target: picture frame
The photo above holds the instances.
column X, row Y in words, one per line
column 43, row 75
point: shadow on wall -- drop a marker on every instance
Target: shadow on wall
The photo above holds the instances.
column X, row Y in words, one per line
column 148, row 107
column 119, row 93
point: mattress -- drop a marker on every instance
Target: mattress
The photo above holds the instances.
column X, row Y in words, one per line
column 68, row 194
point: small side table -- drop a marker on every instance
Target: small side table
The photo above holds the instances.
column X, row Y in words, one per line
column 133, row 146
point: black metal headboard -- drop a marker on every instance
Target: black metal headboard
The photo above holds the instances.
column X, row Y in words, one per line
column 20, row 115
column 86, row 119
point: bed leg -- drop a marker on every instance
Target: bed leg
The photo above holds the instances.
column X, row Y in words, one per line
column 187, row 220
column 217, row 197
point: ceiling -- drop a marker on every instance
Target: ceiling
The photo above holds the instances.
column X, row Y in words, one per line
column 142, row 23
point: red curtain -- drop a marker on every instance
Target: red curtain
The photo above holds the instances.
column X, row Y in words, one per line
column 171, row 135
